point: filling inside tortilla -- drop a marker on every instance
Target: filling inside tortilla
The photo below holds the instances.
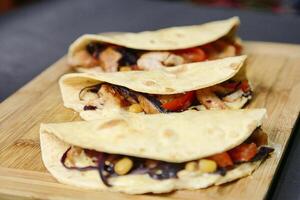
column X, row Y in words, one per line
column 227, row 95
column 112, row 58
column 113, row 165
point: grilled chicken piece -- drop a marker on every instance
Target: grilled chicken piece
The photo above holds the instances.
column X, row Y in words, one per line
column 149, row 107
column 236, row 100
column 77, row 157
column 237, row 103
column 72, row 154
column 157, row 60
column 109, row 95
column 220, row 49
column 228, row 51
column 95, row 103
column 127, row 94
column 173, row 60
column 109, row 59
column 234, row 96
column 225, row 49
column 84, row 59
column 209, row 99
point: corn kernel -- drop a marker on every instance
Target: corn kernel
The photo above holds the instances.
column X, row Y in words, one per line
column 125, row 69
column 207, row 166
column 136, row 108
column 123, row 166
column 191, row 166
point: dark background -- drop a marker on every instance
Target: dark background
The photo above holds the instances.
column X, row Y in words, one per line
column 35, row 36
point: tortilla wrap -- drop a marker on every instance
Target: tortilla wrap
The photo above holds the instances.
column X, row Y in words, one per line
column 173, row 80
column 164, row 39
column 210, row 132
column 173, row 38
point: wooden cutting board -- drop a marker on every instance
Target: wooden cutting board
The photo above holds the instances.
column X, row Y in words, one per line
column 272, row 68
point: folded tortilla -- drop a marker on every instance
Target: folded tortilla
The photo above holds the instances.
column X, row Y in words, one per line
column 173, row 80
column 173, row 38
column 176, row 137
column 164, row 39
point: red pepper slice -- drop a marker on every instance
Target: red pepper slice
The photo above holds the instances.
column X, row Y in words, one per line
column 181, row 102
column 245, row 86
column 192, row 54
column 222, row 159
column 243, row 152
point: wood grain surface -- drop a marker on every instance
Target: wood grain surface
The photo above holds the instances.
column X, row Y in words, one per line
column 272, row 68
